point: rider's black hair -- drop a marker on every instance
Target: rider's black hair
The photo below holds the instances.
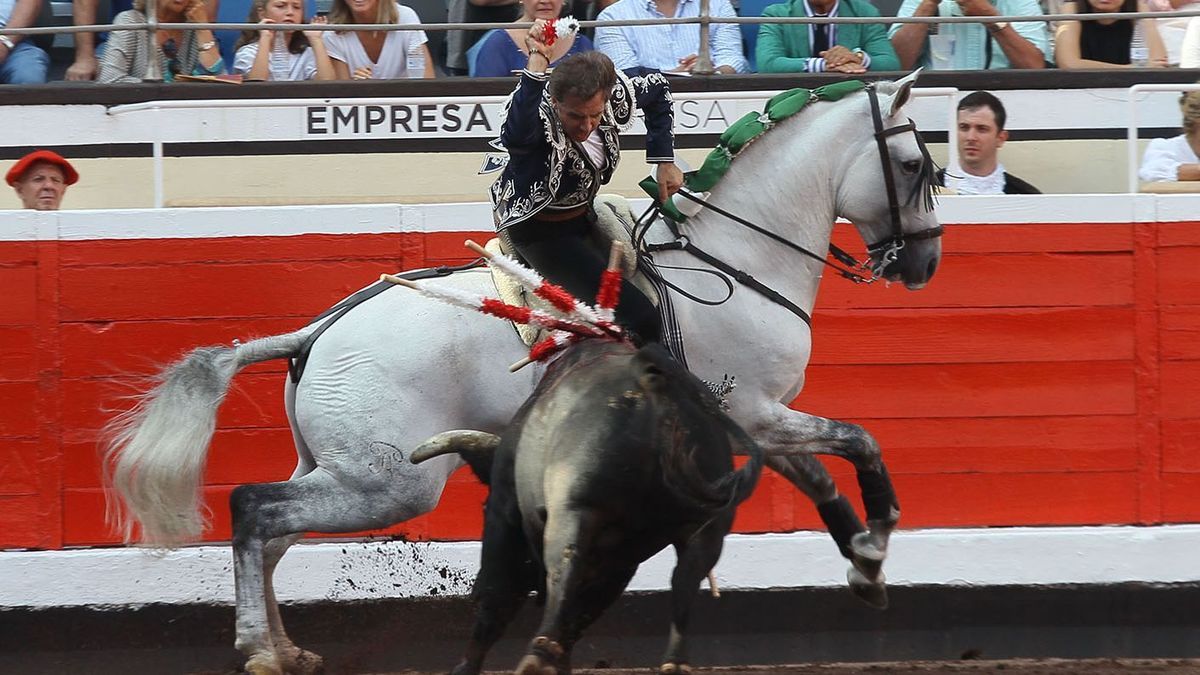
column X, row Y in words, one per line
column 582, row 76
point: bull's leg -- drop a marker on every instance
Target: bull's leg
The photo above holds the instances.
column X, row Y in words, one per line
column 506, row 576
column 566, row 564
column 696, row 557
column 793, row 437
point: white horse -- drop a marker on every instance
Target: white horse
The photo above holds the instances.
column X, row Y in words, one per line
column 400, row 368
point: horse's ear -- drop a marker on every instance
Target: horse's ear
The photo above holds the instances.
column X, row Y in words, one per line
column 903, row 91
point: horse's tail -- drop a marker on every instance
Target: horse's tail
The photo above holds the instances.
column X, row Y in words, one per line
column 155, row 452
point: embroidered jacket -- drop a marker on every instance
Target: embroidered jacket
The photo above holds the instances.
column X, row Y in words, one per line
column 547, row 170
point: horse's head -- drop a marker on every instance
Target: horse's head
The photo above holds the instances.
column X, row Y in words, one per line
column 887, row 191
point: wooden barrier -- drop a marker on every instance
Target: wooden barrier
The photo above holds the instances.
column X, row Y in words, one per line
column 1044, row 377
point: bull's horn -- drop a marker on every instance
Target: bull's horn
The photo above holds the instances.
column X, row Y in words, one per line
column 451, row 442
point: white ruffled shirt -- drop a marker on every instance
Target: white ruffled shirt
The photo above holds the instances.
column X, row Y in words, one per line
column 1163, row 158
column 967, row 184
column 282, row 65
column 394, row 58
column 594, row 147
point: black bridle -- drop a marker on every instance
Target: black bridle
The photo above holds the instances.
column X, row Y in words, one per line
column 881, row 254
column 885, row 251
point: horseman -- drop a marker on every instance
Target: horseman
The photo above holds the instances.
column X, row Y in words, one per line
column 560, row 130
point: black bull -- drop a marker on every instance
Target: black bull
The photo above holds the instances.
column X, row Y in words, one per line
column 616, row 455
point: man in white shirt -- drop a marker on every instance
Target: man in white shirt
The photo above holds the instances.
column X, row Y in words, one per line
column 981, row 134
column 1175, row 159
column 669, row 48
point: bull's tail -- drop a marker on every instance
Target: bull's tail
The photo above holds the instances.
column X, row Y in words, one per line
column 683, row 478
column 155, row 452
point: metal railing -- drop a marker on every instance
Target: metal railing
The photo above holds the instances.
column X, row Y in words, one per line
column 704, row 21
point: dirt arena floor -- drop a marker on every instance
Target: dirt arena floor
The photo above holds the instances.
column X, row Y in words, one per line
column 967, row 667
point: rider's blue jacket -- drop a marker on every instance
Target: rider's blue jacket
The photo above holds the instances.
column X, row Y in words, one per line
column 547, row 170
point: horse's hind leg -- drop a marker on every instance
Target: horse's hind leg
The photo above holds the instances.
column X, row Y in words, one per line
column 251, row 582
column 292, row 658
column 276, row 512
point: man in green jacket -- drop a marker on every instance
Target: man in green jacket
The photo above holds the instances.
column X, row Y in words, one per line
column 816, row 48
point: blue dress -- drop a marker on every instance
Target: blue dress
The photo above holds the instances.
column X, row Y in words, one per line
column 498, row 56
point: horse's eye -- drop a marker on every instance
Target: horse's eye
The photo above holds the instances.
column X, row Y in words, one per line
column 911, row 166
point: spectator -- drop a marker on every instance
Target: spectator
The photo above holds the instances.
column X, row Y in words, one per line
column 21, row 61
column 41, row 179
column 271, row 55
column 1189, row 52
column 182, row 52
column 981, row 134
column 815, row 48
column 378, row 55
column 500, row 52
column 992, row 46
column 1103, row 43
column 1175, row 159
column 669, row 48
column 1173, row 31
column 83, row 13
column 486, row 11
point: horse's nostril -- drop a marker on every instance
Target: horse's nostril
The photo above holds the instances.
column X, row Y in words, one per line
column 932, row 268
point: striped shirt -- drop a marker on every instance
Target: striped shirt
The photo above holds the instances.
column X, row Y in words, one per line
column 661, row 47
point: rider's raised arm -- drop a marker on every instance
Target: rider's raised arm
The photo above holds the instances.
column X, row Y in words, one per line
column 653, row 95
column 522, row 123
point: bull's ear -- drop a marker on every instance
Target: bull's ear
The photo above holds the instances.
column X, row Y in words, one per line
column 652, row 378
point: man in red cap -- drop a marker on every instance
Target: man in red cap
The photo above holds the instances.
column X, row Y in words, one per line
column 41, row 179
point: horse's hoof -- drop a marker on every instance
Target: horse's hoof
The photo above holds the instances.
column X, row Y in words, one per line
column 261, row 664
column 464, row 668
column 675, row 669
column 874, row 593
column 535, row 665
column 304, row 662
column 867, row 556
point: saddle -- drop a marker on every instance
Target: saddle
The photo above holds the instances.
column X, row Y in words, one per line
column 615, row 222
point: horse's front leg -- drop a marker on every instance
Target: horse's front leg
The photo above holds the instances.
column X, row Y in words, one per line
column 790, row 439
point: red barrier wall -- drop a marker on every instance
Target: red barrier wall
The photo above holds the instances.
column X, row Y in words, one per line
column 1043, row 378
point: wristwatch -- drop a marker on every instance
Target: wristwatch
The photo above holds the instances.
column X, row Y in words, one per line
column 7, row 42
column 994, row 28
column 208, row 45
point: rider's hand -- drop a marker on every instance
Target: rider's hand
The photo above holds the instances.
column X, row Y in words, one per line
column 670, row 179
column 536, row 45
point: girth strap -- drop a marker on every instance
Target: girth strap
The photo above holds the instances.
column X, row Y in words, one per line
column 330, row 316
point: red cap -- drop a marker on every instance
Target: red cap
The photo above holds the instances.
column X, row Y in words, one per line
column 70, row 175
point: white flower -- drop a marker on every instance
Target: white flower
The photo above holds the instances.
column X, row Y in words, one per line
column 566, row 26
